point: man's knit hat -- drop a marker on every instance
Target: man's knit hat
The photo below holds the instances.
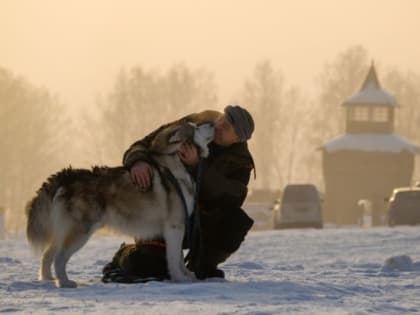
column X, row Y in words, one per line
column 241, row 120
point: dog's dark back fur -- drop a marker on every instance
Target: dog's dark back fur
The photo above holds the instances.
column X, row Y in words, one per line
column 71, row 180
column 69, row 177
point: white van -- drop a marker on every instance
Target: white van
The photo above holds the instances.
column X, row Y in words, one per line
column 299, row 207
column 404, row 206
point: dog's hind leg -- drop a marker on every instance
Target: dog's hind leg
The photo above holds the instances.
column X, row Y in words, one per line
column 46, row 262
column 173, row 235
column 72, row 243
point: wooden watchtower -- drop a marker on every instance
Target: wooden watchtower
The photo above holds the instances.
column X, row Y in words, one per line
column 369, row 160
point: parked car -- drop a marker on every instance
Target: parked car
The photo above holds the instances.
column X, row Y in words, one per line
column 404, row 206
column 299, row 207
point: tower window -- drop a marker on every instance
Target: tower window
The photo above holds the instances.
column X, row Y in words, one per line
column 360, row 113
column 380, row 114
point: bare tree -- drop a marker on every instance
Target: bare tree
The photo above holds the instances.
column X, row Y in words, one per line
column 405, row 86
column 296, row 127
column 188, row 90
column 274, row 109
column 338, row 81
column 30, row 142
column 143, row 100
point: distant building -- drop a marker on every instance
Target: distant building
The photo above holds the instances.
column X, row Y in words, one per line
column 369, row 160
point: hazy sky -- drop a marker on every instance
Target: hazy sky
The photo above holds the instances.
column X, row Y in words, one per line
column 75, row 48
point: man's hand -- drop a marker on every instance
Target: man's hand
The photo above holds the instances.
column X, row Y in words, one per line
column 189, row 154
column 141, row 175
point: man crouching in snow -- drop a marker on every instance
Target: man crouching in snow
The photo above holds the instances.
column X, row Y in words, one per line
column 222, row 190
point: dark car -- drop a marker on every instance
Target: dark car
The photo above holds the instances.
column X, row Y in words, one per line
column 300, row 207
column 404, row 206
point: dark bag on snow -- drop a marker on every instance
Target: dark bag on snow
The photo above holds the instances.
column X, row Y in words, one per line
column 137, row 263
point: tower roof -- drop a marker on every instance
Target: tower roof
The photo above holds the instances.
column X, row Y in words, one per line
column 371, row 143
column 371, row 92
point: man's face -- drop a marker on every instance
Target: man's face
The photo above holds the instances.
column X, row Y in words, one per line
column 224, row 133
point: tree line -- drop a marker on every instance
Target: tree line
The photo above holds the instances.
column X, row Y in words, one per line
column 37, row 137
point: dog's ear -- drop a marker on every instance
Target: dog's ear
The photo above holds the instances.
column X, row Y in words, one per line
column 183, row 132
column 175, row 136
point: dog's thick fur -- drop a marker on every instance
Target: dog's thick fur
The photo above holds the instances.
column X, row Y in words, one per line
column 72, row 204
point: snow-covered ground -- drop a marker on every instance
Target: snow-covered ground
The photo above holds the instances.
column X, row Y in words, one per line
column 330, row 271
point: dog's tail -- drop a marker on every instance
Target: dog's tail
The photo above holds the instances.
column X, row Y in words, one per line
column 38, row 229
column 39, row 211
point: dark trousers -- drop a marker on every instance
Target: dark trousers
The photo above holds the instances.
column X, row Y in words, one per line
column 222, row 233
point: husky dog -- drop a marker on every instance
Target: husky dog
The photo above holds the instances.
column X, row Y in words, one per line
column 73, row 203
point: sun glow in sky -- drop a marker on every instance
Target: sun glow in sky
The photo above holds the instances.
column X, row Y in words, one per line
column 76, row 48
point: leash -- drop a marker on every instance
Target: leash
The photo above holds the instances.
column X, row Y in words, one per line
column 196, row 240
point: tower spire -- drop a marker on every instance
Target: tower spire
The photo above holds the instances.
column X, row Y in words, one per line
column 371, row 80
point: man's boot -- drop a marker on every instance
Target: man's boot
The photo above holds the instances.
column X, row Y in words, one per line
column 207, row 264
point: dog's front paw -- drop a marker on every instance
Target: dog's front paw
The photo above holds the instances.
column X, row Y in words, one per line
column 183, row 278
column 191, row 275
column 46, row 278
column 65, row 284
